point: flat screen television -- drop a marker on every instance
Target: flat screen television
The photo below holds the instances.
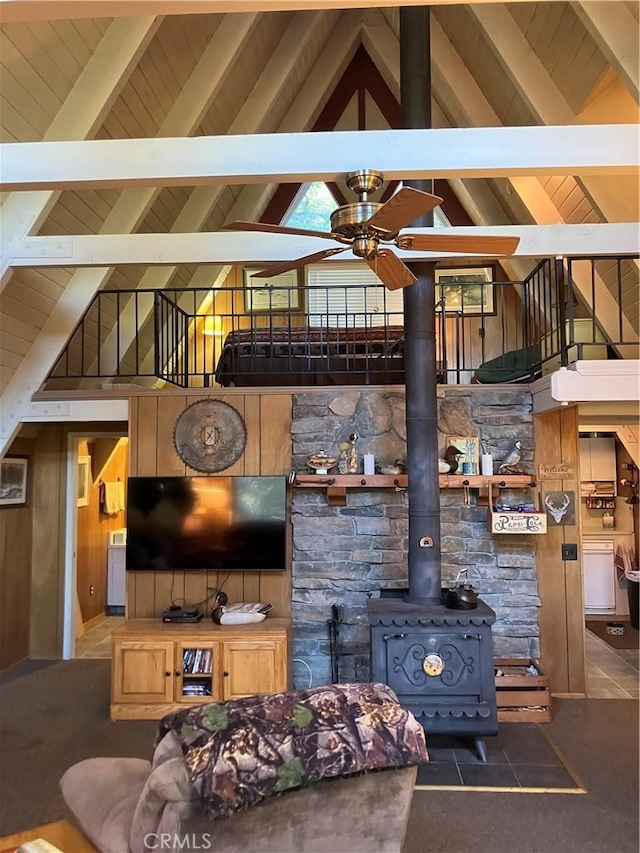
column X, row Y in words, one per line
column 215, row 523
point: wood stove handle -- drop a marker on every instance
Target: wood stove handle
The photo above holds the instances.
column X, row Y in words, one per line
column 472, row 636
column 394, row 637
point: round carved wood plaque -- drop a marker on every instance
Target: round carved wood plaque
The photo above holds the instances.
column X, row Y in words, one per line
column 209, row 436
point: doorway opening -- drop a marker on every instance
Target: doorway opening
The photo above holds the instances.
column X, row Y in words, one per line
column 94, row 595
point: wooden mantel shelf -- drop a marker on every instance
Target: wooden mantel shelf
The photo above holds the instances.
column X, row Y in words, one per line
column 337, row 484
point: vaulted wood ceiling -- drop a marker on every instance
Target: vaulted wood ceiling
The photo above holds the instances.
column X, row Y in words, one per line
column 137, row 76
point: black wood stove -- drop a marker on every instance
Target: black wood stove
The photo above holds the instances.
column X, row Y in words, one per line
column 438, row 660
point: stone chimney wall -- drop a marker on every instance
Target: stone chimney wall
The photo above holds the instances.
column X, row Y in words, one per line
column 342, row 554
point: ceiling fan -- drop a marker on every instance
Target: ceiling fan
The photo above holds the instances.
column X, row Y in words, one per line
column 366, row 226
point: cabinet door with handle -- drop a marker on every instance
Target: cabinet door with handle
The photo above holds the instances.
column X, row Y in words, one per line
column 142, row 671
column 253, row 667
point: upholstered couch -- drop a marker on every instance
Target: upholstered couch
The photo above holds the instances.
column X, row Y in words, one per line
column 278, row 773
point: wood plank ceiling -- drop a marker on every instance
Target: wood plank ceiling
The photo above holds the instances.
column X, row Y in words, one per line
column 269, row 72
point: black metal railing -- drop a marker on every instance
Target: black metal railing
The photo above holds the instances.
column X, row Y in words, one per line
column 353, row 334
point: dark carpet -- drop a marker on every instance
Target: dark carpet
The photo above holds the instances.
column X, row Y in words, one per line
column 629, row 640
column 521, row 758
column 53, row 716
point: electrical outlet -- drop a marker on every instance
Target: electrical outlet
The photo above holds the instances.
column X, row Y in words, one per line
column 570, row 552
column 92, row 589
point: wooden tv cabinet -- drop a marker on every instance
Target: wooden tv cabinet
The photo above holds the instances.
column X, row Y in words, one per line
column 159, row 667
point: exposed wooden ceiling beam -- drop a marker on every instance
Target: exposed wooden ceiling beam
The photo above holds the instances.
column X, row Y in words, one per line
column 83, row 111
column 615, row 31
column 546, row 101
column 126, row 215
column 263, row 158
column 478, row 110
column 35, row 10
column 202, row 200
column 232, row 247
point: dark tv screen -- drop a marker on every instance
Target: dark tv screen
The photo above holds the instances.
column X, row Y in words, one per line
column 215, row 523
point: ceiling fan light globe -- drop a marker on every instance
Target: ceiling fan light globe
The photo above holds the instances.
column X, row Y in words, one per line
column 365, row 247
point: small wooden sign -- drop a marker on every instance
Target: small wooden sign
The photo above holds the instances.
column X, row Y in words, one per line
column 518, row 522
column 559, row 471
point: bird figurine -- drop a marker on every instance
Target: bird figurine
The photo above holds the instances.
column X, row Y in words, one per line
column 449, row 465
column 511, row 462
column 398, row 467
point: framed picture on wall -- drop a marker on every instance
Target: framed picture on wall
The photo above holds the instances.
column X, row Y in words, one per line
column 278, row 293
column 84, row 480
column 466, row 290
column 469, row 447
column 13, row 480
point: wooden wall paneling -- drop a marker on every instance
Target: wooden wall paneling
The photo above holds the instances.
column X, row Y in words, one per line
column 195, row 589
column 15, row 569
column 251, row 586
column 133, row 435
column 550, row 568
column 239, row 467
column 169, row 588
column 147, row 437
column 574, row 589
column 170, row 407
column 275, row 434
column 49, row 496
column 144, row 604
column 233, row 585
column 252, row 422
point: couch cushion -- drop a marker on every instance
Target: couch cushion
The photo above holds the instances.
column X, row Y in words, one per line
column 240, row 752
column 166, row 798
column 102, row 794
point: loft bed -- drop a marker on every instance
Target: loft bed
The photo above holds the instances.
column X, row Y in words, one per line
column 307, row 356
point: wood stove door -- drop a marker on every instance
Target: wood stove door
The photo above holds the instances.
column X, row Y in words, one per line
column 437, row 661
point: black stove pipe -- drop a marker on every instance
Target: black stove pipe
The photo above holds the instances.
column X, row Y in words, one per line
column 424, row 557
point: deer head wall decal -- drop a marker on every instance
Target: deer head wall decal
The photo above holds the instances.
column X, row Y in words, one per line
column 557, row 512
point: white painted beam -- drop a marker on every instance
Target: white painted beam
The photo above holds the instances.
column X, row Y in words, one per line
column 110, row 409
column 597, row 380
column 546, row 101
column 615, row 30
column 254, row 114
column 264, row 158
column 83, row 111
column 335, row 55
column 235, row 247
column 37, row 10
column 185, row 114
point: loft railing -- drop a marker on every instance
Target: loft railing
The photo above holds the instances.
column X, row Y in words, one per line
column 352, row 334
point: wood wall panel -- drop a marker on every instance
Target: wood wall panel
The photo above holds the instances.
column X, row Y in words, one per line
column 15, row 569
column 267, row 419
column 561, row 617
column 146, row 438
column 49, row 501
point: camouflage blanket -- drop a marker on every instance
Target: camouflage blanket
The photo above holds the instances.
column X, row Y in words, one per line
column 243, row 751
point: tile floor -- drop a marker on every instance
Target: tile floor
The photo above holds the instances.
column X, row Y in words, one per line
column 96, row 642
column 519, row 758
column 611, row 673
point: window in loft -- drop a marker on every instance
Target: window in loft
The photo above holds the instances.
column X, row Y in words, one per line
column 314, row 205
column 312, row 208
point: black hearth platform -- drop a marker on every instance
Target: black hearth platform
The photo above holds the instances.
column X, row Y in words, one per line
column 439, row 662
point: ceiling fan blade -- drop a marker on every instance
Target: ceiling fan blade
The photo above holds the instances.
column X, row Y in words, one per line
column 458, row 243
column 285, row 266
column 276, row 229
column 391, row 271
column 402, row 209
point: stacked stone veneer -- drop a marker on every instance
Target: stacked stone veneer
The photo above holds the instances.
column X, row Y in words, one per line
column 343, row 554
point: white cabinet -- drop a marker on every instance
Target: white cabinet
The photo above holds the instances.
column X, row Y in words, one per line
column 116, row 579
column 598, row 460
column 599, row 576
